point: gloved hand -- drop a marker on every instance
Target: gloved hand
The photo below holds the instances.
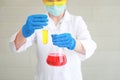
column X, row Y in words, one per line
column 64, row 40
column 34, row 22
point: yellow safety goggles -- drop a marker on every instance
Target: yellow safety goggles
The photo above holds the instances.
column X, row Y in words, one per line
column 54, row 2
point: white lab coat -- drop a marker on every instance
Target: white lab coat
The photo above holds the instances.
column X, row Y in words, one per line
column 70, row 71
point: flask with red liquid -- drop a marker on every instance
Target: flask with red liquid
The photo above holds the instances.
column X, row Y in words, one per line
column 56, row 57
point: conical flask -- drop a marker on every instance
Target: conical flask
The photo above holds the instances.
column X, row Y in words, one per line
column 56, row 57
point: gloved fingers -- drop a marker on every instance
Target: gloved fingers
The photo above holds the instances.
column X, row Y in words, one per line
column 37, row 24
column 27, row 31
column 37, row 18
column 40, row 20
column 61, row 37
column 70, row 44
column 38, row 27
column 63, row 42
column 59, row 44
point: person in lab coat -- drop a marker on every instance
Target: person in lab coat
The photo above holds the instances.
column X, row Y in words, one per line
column 65, row 31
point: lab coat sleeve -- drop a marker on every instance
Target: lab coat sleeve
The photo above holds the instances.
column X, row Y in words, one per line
column 28, row 43
column 85, row 38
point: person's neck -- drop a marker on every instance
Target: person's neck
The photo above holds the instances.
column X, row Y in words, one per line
column 56, row 19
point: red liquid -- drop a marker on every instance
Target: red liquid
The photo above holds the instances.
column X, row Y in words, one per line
column 54, row 59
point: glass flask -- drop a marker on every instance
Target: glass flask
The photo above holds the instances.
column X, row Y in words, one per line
column 56, row 57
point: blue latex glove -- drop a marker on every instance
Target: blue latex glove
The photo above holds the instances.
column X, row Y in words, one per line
column 34, row 22
column 64, row 40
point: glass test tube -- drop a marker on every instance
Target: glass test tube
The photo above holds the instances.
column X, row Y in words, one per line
column 45, row 36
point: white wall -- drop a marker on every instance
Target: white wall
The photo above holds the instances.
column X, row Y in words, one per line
column 102, row 18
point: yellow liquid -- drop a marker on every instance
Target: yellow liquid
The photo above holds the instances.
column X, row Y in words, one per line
column 45, row 36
